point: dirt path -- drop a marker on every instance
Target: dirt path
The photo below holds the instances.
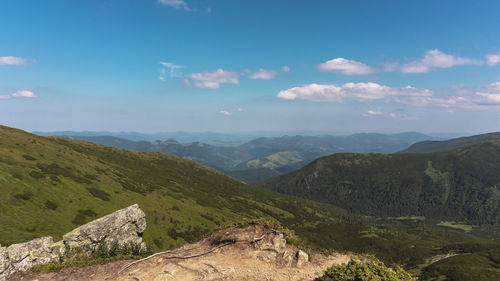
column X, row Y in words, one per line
column 242, row 260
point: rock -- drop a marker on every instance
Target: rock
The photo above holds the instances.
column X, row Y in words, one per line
column 288, row 258
column 200, row 269
column 279, row 243
column 124, row 226
column 302, row 258
column 267, row 256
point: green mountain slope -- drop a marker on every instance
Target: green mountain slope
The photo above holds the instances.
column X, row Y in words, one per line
column 264, row 157
column 220, row 158
column 460, row 185
column 51, row 185
column 436, row 146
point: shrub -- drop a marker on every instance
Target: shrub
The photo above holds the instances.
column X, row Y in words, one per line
column 373, row 270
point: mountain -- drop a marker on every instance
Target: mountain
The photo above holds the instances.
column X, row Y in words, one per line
column 435, row 146
column 51, row 185
column 459, row 185
column 221, row 158
column 213, row 138
column 262, row 158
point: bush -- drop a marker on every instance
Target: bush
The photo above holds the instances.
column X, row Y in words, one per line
column 368, row 271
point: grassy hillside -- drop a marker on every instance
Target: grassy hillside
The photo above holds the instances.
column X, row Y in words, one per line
column 435, row 146
column 461, row 185
column 261, row 158
column 220, row 158
column 52, row 185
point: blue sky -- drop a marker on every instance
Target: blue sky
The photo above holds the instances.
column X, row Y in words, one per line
column 213, row 65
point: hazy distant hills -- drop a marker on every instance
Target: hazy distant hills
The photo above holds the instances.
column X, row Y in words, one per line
column 434, row 146
column 221, row 158
column 264, row 157
column 457, row 185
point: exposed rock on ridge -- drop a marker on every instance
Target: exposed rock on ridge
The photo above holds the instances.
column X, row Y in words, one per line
column 123, row 226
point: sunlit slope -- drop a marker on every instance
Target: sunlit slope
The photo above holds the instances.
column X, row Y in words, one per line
column 435, row 146
column 51, row 185
column 459, row 185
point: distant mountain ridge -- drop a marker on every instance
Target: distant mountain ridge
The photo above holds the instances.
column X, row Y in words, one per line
column 436, row 146
column 264, row 157
column 455, row 185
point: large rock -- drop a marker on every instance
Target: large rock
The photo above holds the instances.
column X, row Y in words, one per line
column 123, row 226
column 279, row 243
column 302, row 258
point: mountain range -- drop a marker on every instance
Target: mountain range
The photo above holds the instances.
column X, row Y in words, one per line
column 50, row 185
column 265, row 157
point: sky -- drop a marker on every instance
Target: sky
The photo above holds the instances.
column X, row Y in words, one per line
column 241, row 66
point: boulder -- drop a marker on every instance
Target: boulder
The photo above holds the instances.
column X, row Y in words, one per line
column 23, row 256
column 123, row 226
column 279, row 243
column 267, row 256
column 302, row 258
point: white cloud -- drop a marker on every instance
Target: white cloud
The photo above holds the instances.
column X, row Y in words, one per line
column 457, row 98
column 241, row 109
column 490, row 95
column 24, row 94
column 372, row 112
column 211, row 80
column 172, row 70
column 12, row 61
column 19, row 94
column 347, row 67
column 224, row 112
column 349, row 91
column 177, row 4
column 436, row 59
column 264, row 74
column 493, row 59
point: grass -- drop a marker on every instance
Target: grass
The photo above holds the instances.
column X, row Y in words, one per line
column 454, row 225
column 65, row 183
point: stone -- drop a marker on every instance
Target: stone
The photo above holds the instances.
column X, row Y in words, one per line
column 288, row 258
column 124, row 226
column 198, row 268
column 267, row 256
column 279, row 243
column 302, row 258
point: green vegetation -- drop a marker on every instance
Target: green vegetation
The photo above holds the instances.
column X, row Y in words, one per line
column 102, row 253
column 76, row 182
column 459, row 185
column 436, row 146
column 372, row 270
column 263, row 158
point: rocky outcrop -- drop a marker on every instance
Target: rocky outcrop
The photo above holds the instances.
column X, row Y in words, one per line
column 123, row 226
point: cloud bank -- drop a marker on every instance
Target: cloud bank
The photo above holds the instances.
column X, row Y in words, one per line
column 373, row 92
